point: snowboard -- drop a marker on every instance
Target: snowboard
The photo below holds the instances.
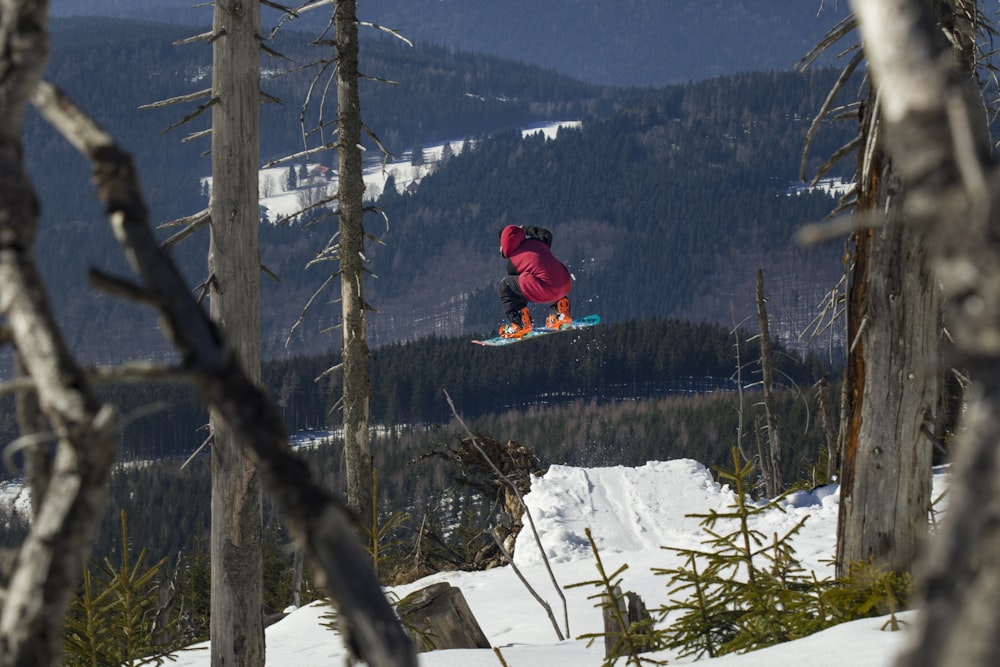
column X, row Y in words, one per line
column 538, row 332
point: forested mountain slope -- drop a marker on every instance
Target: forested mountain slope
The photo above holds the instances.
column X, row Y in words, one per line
column 619, row 394
column 665, row 209
column 630, row 42
column 624, row 361
column 664, row 203
column 111, row 67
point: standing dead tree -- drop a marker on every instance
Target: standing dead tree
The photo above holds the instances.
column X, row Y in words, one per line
column 935, row 132
column 351, row 256
column 237, row 623
column 893, row 328
column 347, row 245
column 770, row 456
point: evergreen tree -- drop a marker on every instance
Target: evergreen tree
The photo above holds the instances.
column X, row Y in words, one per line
column 194, row 587
column 116, row 618
column 745, row 590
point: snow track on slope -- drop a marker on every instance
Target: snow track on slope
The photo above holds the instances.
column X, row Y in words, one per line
column 566, row 501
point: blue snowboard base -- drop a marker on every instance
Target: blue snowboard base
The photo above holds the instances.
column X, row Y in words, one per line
column 578, row 323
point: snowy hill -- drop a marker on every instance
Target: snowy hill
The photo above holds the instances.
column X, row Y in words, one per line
column 282, row 201
column 632, row 513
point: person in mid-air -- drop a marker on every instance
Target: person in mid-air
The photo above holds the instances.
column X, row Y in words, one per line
column 533, row 275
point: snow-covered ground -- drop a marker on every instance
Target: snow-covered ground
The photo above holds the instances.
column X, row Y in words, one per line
column 632, row 513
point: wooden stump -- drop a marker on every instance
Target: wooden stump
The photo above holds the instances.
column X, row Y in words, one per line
column 438, row 617
column 633, row 610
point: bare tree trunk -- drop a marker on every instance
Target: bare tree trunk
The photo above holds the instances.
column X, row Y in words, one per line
column 773, row 479
column 741, row 403
column 883, row 511
column 826, row 421
column 350, row 198
column 85, row 433
column 852, row 397
column 893, row 331
column 935, row 132
column 297, row 564
column 237, row 624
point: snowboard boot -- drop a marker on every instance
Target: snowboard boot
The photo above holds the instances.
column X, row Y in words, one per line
column 520, row 326
column 559, row 318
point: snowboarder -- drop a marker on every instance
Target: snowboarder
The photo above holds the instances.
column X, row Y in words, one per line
column 533, row 275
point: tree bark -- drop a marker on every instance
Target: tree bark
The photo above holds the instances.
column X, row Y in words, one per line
column 350, row 201
column 37, row 459
column 893, row 329
column 935, row 131
column 883, row 511
column 237, row 624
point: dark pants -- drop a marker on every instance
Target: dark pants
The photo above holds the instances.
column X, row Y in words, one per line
column 511, row 298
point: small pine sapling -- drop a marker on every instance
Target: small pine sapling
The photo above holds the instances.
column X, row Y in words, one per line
column 112, row 619
column 84, row 642
column 742, row 595
column 383, row 549
column 379, row 546
column 870, row 590
column 194, row 593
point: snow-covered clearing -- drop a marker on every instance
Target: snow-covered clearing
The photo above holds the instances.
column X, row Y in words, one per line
column 320, row 182
column 632, row 513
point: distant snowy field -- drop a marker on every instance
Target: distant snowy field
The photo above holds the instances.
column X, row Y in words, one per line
column 13, row 494
column 632, row 513
column 282, row 202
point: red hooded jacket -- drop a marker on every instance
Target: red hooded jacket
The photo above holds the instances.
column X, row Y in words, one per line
column 542, row 277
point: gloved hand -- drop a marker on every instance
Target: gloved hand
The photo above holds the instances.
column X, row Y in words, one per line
column 543, row 235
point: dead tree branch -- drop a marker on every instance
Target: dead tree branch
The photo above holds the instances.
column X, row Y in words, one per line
column 317, row 520
column 190, row 97
column 191, row 224
column 520, row 499
column 73, row 492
